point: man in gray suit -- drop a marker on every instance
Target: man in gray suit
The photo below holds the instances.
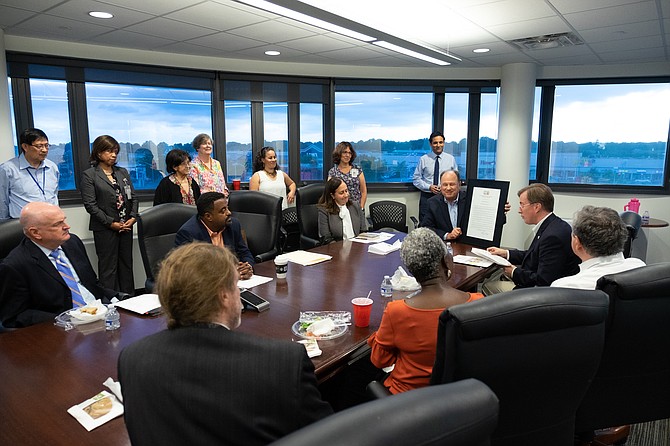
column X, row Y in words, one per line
column 200, row 382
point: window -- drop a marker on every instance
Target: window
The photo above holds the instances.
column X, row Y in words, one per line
column 610, row 134
column 275, row 119
column 11, row 112
column 147, row 122
column 456, row 128
column 239, row 157
column 488, row 136
column 311, row 142
column 535, row 134
column 50, row 114
column 389, row 131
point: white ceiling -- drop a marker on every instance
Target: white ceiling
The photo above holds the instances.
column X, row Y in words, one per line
column 613, row 31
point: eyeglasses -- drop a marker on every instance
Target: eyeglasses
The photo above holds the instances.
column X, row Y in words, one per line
column 41, row 146
column 523, row 205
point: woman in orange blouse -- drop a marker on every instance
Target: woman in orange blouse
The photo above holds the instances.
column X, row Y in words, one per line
column 407, row 336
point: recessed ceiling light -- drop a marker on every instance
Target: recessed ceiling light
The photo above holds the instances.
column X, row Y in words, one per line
column 481, row 50
column 272, row 53
column 101, row 15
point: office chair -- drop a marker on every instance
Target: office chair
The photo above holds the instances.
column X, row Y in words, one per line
column 290, row 231
column 462, row 413
column 11, row 234
column 633, row 221
column 632, row 384
column 260, row 215
column 387, row 214
column 308, row 216
column 536, row 348
column 156, row 230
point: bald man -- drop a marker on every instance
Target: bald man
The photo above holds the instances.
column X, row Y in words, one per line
column 32, row 289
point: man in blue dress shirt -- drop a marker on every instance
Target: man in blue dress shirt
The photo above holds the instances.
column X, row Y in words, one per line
column 427, row 173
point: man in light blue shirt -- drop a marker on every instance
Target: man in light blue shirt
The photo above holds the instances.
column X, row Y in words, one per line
column 28, row 177
column 427, row 173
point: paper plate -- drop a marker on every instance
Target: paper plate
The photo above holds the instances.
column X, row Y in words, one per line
column 336, row 332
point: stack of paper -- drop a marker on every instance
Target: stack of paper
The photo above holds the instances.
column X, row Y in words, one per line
column 142, row 304
column 491, row 257
column 306, row 258
column 384, row 248
column 472, row 261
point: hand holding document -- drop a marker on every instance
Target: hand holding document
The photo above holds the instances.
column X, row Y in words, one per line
column 491, row 257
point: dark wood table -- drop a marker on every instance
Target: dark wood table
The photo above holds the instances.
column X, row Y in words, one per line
column 44, row 370
column 655, row 223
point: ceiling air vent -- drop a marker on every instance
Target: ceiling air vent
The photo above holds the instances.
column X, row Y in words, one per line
column 548, row 41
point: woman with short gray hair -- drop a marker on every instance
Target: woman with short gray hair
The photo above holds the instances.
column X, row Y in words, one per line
column 407, row 335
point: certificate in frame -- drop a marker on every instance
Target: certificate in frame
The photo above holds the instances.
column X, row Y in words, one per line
column 484, row 213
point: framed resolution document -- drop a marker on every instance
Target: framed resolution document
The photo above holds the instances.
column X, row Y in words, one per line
column 484, row 213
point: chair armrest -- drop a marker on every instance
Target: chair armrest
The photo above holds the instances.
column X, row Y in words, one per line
column 377, row 390
column 262, row 257
column 414, row 221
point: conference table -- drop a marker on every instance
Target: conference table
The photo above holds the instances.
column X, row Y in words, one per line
column 44, row 370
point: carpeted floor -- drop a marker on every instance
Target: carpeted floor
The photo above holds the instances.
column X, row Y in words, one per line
column 654, row 433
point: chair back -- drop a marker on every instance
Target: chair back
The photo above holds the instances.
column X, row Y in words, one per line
column 11, row 234
column 536, row 348
column 260, row 215
column 632, row 384
column 290, row 230
column 308, row 216
column 388, row 214
column 156, row 230
column 463, row 413
column 633, row 222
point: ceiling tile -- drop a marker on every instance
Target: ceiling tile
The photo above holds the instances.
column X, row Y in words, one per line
column 79, row 9
column 628, row 44
column 569, row 6
column 317, row 44
column 154, row 7
column 271, row 32
column 507, row 11
column 170, row 29
column 216, row 16
column 227, row 41
column 616, row 15
column 620, row 32
column 127, row 39
column 59, row 26
column 643, row 55
column 12, row 16
column 529, row 28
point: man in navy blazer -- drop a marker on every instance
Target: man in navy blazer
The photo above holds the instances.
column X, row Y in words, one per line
column 445, row 210
column 214, row 224
column 31, row 288
column 549, row 256
column 201, row 381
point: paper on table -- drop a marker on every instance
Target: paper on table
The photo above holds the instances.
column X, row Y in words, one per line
column 254, row 281
column 372, row 237
column 492, row 257
column 97, row 410
column 142, row 304
column 384, row 248
column 305, row 258
column 472, row 261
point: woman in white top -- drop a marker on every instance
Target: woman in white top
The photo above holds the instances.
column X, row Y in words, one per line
column 269, row 178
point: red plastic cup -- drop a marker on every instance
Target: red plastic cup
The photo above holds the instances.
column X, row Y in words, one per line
column 362, row 310
column 236, row 184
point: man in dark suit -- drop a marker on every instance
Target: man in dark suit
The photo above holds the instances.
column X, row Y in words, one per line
column 31, row 288
column 201, row 382
column 549, row 256
column 214, row 224
column 445, row 210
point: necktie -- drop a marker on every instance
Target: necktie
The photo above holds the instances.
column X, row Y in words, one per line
column 436, row 171
column 68, row 277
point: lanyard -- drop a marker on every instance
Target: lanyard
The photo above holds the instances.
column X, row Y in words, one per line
column 41, row 188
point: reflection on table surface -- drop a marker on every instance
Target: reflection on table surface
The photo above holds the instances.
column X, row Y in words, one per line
column 44, row 370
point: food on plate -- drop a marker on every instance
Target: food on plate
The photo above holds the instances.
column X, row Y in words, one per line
column 99, row 408
column 89, row 310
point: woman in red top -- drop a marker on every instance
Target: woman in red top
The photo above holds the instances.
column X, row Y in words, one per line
column 407, row 336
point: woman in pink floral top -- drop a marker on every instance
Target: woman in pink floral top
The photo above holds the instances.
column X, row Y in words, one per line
column 205, row 170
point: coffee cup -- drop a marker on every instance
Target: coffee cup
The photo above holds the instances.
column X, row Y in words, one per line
column 281, row 266
column 362, row 310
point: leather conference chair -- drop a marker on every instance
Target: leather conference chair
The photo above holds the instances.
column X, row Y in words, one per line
column 308, row 216
column 536, row 348
column 633, row 222
column 462, row 413
column 290, row 232
column 260, row 215
column 11, row 234
column 632, row 384
column 387, row 214
column 156, row 230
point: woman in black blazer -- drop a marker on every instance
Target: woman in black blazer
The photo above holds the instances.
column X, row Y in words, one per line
column 178, row 186
column 109, row 197
column 339, row 217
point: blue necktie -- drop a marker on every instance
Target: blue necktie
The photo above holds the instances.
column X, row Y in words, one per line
column 436, row 171
column 68, row 277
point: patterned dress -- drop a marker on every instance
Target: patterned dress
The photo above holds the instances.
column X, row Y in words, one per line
column 351, row 179
column 209, row 180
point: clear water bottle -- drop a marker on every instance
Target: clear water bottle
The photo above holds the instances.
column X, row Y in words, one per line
column 450, row 250
column 450, row 256
column 112, row 319
column 386, row 288
column 645, row 217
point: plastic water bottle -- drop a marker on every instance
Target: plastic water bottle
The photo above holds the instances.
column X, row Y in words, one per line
column 450, row 256
column 450, row 250
column 386, row 288
column 112, row 319
column 645, row 217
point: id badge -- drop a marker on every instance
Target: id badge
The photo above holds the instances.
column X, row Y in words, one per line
column 127, row 190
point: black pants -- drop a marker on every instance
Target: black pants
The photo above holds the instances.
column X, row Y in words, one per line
column 115, row 259
column 423, row 204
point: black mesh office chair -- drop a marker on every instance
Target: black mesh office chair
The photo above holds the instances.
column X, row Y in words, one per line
column 11, row 234
column 308, row 216
column 632, row 384
column 290, row 231
column 260, row 215
column 156, row 230
column 387, row 214
column 463, row 413
column 536, row 348
column 633, row 222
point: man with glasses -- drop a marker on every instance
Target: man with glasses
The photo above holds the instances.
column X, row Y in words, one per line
column 549, row 256
column 28, row 177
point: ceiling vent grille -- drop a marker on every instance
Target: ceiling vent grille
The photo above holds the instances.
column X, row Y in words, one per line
column 548, row 41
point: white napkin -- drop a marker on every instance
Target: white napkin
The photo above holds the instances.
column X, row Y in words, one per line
column 402, row 281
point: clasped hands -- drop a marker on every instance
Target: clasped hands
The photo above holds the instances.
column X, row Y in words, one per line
column 126, row 226
column 245, row 270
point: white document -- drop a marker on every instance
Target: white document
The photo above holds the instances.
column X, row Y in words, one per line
column 483, row 213
column 384, row 248
column 142, row 304
column 306, row 258
column 372, row 237
column 253, row 281
column 492, row 257
column 473, row 261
